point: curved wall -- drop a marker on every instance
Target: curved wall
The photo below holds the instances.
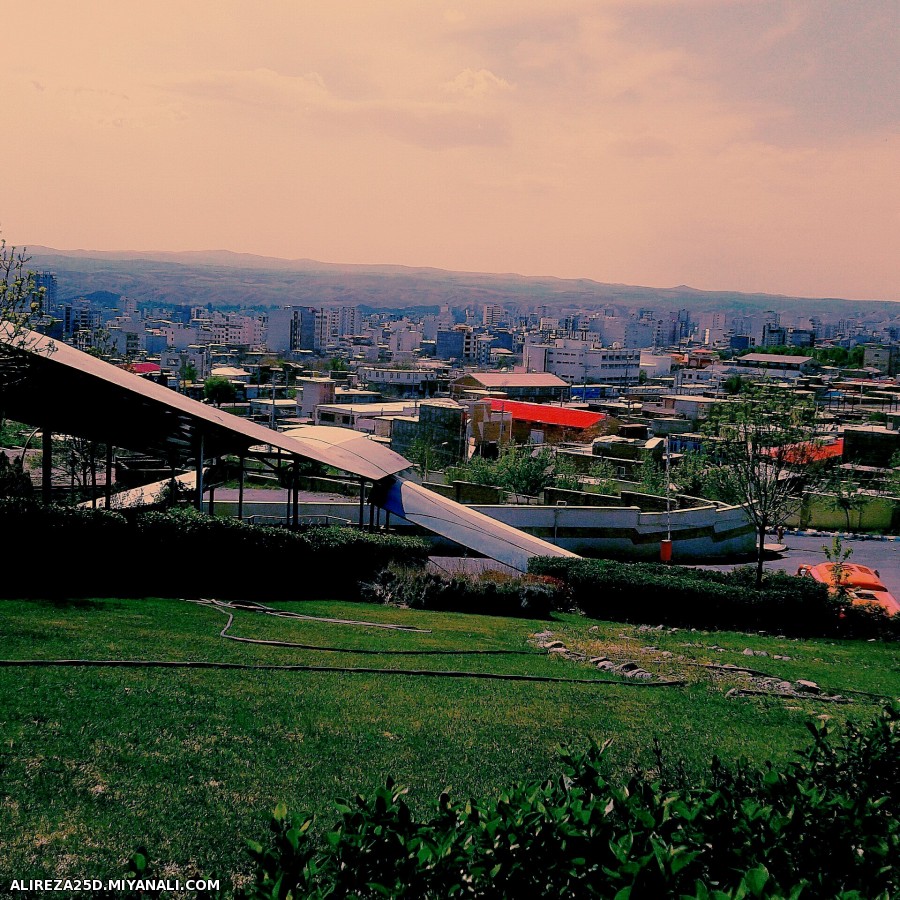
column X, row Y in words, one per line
column 701, row 533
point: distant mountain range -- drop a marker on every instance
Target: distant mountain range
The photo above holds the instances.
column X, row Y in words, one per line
column 226, row 279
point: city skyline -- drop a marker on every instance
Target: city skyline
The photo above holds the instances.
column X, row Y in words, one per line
column 739, row 145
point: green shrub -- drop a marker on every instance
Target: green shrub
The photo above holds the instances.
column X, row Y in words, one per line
column 60, row 550
column 182, row 552
column 823, row 826
column 491, row 592
column 654, row 593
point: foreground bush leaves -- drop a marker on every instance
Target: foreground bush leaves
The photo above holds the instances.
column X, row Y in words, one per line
column 825, row 826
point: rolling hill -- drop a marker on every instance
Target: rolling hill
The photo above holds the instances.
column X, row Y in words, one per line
column 227, row 279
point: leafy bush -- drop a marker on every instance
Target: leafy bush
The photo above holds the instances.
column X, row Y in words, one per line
column 823, row 826
column 14, row 480
column 180, row 552
column 58, row 550
column 654, row 593
column 490, row 592
column 518, row 469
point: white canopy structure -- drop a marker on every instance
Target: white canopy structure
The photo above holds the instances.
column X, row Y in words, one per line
column 461, row 524
column 61, row 389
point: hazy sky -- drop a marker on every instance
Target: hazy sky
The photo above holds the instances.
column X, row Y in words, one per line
column 725, row 144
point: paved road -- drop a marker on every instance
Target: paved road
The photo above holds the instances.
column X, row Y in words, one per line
column 801, row 548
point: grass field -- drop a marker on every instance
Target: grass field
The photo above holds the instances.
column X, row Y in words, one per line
column 190, row 762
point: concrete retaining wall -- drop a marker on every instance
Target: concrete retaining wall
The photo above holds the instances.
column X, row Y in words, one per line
column 700, row 533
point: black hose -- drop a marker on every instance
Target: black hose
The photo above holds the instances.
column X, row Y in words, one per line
column 203, row 664
column 224, row 609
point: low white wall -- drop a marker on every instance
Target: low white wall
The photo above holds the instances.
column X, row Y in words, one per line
column 625, row 532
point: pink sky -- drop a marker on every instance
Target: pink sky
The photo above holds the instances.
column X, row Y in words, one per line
column 725, row 144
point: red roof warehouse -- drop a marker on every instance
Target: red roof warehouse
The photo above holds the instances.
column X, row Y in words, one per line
column 558, row 423
column 809, row 451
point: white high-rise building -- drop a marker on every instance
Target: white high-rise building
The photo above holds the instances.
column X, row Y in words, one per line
column 581, row 361
column 333, row 323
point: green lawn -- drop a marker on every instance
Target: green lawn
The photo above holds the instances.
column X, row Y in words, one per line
column 190, row 762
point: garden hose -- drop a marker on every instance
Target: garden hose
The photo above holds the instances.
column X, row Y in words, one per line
column 228, row 609
column 225, row 608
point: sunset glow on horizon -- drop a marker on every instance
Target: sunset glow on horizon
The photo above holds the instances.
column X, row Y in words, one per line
column 741, row 145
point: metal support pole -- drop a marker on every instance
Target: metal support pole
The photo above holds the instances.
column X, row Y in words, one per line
column 93, row 476
column 241, row 488
column 362, row 500
column 287, row 506
column 46, row 464
column 200, row 475
column 296, row 486
column 109, row 467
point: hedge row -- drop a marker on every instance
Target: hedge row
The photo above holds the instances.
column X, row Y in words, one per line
column 823, row 826
column 73, row 551
column 654, row 593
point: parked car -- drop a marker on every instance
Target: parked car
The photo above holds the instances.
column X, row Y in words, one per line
column 862, row 584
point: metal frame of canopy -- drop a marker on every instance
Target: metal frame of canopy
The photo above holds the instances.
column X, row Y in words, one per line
column 70, row 392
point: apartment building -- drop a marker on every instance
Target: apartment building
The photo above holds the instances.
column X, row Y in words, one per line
column 580, row 361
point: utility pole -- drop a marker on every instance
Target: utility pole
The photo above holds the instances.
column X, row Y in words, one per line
column 665, row 547
column 272, row 411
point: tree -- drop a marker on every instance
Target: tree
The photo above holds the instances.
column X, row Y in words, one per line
column 842, row 491
column 524, row 469
column 186, row 372
column 765, row 457
column 21, row 305
column 14, row 481
column 837, row 558
column 565, row 474
column 604, row 477
column 219, row 390
column 733, row 384
column 102, row 346
column 652, row 477
column 81, row 458
column 428, row 455
column 690, row 475
column 891, row 485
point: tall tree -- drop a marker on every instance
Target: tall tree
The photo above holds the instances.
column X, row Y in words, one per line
column 765, row 452
column 219, row 390
column 21, row 304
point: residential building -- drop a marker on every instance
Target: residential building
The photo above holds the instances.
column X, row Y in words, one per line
column 413, row 382
column 335, row 324
column 291, row 329
column 773, row 365
column 580, row 361
column 884, row 358
column 439, row 424
column 540, row 387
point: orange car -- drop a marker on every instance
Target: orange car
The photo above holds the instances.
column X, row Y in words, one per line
column 863, row 584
